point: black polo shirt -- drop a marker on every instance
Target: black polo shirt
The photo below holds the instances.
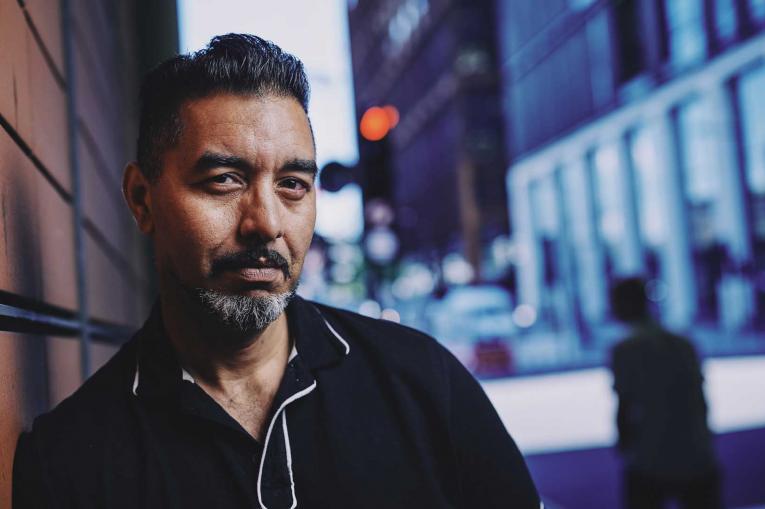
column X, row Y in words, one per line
column 369, row 414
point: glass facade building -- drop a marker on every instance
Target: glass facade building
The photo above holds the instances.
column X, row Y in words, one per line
column 666, row 183
column 435, row 62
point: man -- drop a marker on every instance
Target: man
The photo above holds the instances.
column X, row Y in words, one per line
column 662, row 415
column 236, row 392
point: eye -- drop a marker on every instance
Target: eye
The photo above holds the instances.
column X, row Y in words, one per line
column 223, row 178
column 223, row 183
column 294, row 187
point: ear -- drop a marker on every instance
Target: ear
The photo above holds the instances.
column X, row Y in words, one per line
column 137, row 193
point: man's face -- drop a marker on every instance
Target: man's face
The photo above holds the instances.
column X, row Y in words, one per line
column 234, row 208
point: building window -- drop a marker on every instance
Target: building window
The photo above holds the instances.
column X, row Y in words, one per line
column 629, row 46
column 589, row 289
column 757, row 10
column 547, row 232
column 599, row 49
column 611, row 213
column 753, row 118
column 649, row 198
column 404, row 22
column 725, row 20
column 685, row 31
column 752, row 108
column 544, row 203
column 699, row 130
column 580, row 5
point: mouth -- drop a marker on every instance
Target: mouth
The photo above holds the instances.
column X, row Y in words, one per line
column 263, row 274
column 260, row 271
column 258, row 268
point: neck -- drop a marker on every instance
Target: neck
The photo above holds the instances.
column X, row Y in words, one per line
column 220, row 357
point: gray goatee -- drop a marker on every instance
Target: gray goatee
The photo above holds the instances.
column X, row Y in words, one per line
column 242, row 312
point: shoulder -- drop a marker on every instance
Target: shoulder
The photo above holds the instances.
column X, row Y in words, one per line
column 71, row 444
column 626, row 357
column 625, row 347
column 94, row 404
column 409, row 363
column 391, row 338
column 641, row 338
column 394, row 352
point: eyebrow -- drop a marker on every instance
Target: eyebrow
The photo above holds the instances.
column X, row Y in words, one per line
column 210, row 160
column 301, row 165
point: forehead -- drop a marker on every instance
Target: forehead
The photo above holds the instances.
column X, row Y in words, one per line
column 249, row 125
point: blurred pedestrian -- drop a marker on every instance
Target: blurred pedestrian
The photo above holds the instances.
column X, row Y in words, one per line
column 664, row 439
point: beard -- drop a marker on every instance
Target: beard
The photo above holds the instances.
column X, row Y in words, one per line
column 243, row 313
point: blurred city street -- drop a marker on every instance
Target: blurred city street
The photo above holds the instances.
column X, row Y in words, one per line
column 564, row 423
column 491, row 172
column 540, row 153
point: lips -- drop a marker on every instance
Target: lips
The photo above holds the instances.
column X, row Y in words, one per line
column 256, row 265
column 259, row 274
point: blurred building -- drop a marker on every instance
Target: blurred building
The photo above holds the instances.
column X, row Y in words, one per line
column 637, row 131
column 73, row 271
column 441, row 168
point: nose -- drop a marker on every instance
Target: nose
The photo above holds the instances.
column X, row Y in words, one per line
column 260, row 217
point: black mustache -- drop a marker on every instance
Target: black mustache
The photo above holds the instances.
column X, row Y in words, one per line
column 252, row 258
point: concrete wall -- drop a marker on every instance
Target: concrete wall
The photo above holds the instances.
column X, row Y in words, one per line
column 67, row 127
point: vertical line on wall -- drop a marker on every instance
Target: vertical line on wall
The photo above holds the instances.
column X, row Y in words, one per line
column 74, row 164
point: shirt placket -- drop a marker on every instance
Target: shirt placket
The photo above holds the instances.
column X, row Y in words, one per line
column 276, row 483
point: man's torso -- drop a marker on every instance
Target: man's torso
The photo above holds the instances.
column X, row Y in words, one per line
column 365, row 424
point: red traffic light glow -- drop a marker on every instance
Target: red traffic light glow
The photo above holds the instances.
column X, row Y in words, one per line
column 392, row 114
column 377, row 121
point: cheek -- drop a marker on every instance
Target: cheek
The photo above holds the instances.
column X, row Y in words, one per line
column 302, row 226
column 189, row 231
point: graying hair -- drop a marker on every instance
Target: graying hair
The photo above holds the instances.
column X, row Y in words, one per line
column 242, row 312
column 240, row 64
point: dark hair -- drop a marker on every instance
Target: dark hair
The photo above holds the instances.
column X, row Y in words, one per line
column 234, row 63
column 629, row 302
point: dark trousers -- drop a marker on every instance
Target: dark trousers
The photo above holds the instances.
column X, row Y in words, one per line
column 644, row 491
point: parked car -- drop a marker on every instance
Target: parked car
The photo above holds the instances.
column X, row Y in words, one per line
column 476, row 324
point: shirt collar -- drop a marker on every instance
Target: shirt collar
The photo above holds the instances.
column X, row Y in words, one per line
column 317, row 342
column 158, row 373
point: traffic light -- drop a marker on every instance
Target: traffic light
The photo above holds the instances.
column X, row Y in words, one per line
column 377, row 182
column 377, row 122
column 375, row 158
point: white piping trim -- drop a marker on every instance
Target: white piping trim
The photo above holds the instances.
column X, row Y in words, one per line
column 135, row 380
column 286, row 402
column 338, row 336
column 185, row 375
column 289, row 458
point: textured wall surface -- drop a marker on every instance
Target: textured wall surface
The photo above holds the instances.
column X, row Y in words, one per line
column 47, row 144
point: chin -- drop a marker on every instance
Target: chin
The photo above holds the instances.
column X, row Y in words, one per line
column 251, row 312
